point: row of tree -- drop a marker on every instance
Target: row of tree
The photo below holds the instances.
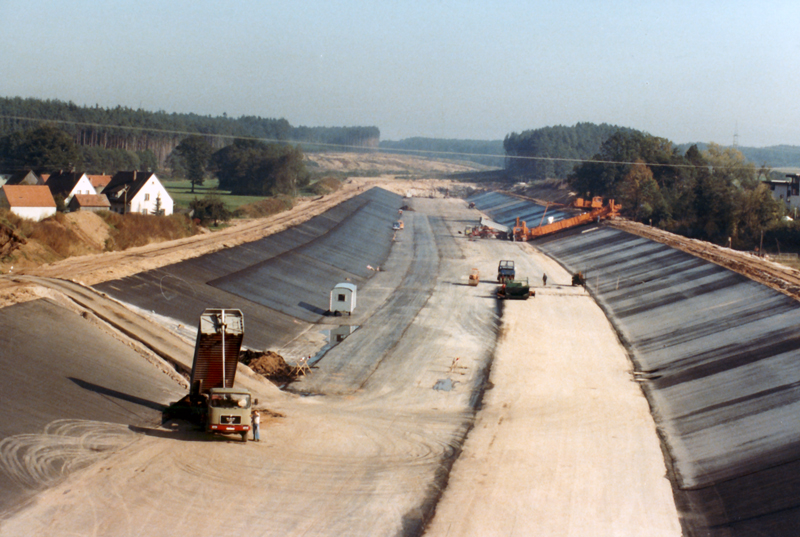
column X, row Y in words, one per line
column 714, row 194
column 552, row 152
column 246, row 167
column 776, row 156
column 47, row 148
column 140, row 131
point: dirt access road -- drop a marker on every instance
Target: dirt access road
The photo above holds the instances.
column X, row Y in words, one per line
column 373, row 457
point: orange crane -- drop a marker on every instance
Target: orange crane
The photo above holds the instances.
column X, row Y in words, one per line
column 596, row 211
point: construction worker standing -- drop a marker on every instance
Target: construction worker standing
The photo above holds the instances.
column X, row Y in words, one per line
column 256, row 426
column 544, row 280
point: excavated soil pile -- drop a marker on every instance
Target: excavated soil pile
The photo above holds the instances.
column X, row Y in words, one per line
column 270, row 364
column 10, row 240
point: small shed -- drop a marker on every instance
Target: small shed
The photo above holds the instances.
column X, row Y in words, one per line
column 343, row 298
column 89, row 202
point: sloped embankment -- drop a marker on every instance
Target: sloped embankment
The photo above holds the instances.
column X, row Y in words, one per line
column 718, row 358
column 280, row 281
column 717, row 355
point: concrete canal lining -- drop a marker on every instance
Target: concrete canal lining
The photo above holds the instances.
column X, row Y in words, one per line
column 717, row 355
column 278, row 280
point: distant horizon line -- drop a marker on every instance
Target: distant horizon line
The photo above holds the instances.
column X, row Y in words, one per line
column 225, row 116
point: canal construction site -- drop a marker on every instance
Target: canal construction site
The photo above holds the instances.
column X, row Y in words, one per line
column 658, row 396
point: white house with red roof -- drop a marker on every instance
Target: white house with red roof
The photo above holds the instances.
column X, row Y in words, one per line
column 138, row 192
column 99, row 182
column 29, row 201
column 67, row 184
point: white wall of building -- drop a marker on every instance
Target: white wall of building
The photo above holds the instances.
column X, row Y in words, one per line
column 145, row 200
column 83, row 186
column 34, row 213
column 782, row 191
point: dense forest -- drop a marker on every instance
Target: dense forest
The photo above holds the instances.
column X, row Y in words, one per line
column 109, row 136
column 552, row 152
column 246, row 166
column 486, row 152
column 776, row 156
column 715, row 194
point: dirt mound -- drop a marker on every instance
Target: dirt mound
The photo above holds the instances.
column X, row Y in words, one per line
column 10, row 240
column 269, row 364
column 89, row 227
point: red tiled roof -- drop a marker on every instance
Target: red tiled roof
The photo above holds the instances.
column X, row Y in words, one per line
column 92, row 200
column 99, row 181
column 29, row 196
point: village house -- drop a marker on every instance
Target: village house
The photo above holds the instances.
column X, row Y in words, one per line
column 138, row 192
column 99, row 182
column 67, row 184
column 787, row 191
column 28, row 201
column 24, row 177
column 89, row 202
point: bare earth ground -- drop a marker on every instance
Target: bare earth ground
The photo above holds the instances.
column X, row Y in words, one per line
column 388, row 163
column 564, row 443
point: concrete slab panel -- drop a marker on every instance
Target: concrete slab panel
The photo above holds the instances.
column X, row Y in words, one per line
column 282, row 278
column 719, row 358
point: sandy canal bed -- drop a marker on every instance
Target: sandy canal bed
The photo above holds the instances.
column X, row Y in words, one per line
column 563, row 443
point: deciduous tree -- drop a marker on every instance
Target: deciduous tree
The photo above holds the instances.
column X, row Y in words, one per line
column 47, row 148
column 639, row 193
column 195, row 150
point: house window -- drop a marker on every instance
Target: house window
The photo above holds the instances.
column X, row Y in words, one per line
column 341, row 298
column 144, row 211
column 147, row 197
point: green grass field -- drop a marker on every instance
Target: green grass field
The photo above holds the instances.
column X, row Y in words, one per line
column 181, row 192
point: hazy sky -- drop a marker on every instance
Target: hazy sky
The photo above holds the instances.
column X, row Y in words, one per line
column 684, row 70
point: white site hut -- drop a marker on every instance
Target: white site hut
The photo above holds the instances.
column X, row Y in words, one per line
column 343, row 298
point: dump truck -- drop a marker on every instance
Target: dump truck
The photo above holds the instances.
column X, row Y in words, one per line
column 519, row 289
column 213, row 401
column 505, row 270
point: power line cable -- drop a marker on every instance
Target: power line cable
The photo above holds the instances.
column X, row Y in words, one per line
column 346, row 146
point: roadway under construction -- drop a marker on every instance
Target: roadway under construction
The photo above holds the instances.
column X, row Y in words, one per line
column 387, row 411
column 717, row 356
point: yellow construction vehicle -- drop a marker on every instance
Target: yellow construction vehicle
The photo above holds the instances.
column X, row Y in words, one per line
column 474, row 277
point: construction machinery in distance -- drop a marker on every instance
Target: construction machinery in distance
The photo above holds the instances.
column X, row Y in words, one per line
column 595, row 211
column 488, row 229
column 515, row 289
column 474, row 277
column 213, row 402
column 506, row 271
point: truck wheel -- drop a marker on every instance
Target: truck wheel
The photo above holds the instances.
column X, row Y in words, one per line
column 244, row 436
